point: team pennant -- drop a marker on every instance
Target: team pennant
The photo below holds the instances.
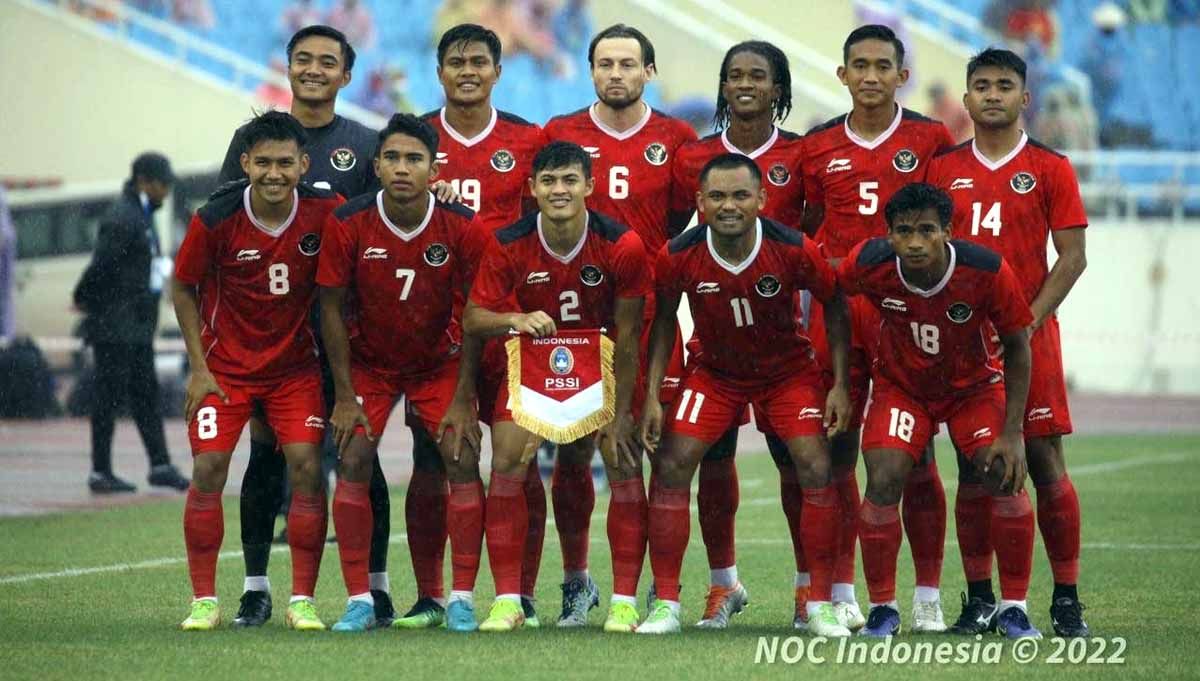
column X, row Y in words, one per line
column 561, row 387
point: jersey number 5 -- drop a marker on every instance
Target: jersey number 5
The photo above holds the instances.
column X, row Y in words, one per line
column 868, row 192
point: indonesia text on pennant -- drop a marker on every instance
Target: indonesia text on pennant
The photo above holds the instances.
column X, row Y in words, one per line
column 561, row 387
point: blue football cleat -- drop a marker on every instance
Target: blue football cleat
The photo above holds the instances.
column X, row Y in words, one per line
column 1013, row 622
column 882, row 621
column 460, row 616
column 359, row 616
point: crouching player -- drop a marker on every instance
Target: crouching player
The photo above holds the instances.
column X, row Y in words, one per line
column 741, row 273
column 939, row 300
column 393, row 264
column 245, row 279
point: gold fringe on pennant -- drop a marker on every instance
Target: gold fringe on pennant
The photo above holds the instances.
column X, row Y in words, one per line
column 585, row 426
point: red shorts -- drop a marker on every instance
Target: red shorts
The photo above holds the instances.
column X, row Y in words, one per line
column 428, row 395
column 673, row 376
column 1046, row 410
column 293, row 407
column 864, row 331
column 793, row 405
column 897, row 420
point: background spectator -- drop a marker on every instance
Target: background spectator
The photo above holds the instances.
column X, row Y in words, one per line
column 386, row 91
column 8, row 275
column 296, row 16
column 1105, row 58
column 950, row 111
column 276, row 94
column 355, row 20
column 194, row 14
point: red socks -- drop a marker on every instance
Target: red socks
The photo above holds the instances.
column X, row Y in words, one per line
column 307, row 522
column 924, row 512
column 791, row 497
column 535, row 501
column 627, row 534
column 507, row 522
column 846, row 482
column 879, row 533
column 972, row 522
column 425, row 521
column 1058, row 520
column 353, row 521
column 670, row 525
column 717, row 503
column 464, row 519
column 574, row 498
column 203, row 530
column 820, row 533
column 1012, row 536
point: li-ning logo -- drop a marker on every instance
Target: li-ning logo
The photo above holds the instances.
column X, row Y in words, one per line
column 1040, row 414
column 809, row 413
column 594, row 152
column 248, row 254
column 982, row 432
column 538, row 278
column 708, row 287
column 838, row 165
column 442, row 157
column 375, row 253
column 894, row 305
column 962, row 183
column 314, row 422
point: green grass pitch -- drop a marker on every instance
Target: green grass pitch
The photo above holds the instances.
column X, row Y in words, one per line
column 1141, row 537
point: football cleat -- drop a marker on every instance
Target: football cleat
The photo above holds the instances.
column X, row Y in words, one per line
column 531, row 618
column 579, row 597
column 622, row 618
column 1013, row 622
column 882, row 621
column 824, row 622
column 723, row 603
column 385, row 612
column 359, row 616
column 850, row 615
column 800, row 618
column 205, row 616
column 927, row 617
column 425, row 614
column 107, row 483
column 460, row 616
column 254, row 611
column 166, row 475
column 978, row 617
column 302, row 616
column 664, row 619
column 506, row 615
column 1066, row 614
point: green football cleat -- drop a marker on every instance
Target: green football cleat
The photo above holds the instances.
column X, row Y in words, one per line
column 531, row 617
column 302, row 616
column 664, row 619
column 205, row 616
column 505, row 615
column 622, row 618
column 823, row 621
column 426, row 613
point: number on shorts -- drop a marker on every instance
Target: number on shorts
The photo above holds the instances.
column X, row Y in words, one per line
column 570, row 303
column 618, row 182
column 926, row 337
column 683, row 406
column 901, row 425
column 278, row 279
column 407, row 275
column 989, row 221
column 470, row 190
column 741, row 312
column 206, row 423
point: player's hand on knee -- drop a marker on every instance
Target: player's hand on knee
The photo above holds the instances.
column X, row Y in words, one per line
column 837, row 411
column 1002, row 465
column 650, row 432
column 529, row 449
column 618, row 447
column 461, row 422
column 445, row 192
column 537, row 324
column 347, row 416
column 200, row 385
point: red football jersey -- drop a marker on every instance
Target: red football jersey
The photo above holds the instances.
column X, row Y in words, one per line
column 779, row 159
column 854, row 178
column 256, row 284
column 1012, row 205
column 744, row 315
column 632, row 168
column 491, row 170
column 403, row 286
column 578, row 291
column 934, row 344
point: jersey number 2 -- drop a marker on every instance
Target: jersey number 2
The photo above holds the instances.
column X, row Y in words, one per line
column 569, row 302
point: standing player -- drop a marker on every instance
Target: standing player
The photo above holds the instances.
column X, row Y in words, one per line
column 632, row 148
column 938, row 299
column 852, row 166
column 244, row 283
column 320, row 60
column 1011, row 194
column 569, row 267
column 486, row 156
column 398, row 261
column 754, row 95
column 753, row 354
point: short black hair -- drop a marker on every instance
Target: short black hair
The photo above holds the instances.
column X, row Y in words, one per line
column 918, row 197
column 277, row 126
column 324, row 32
column 469, row 33
column 408, row 124
column 561, row 154
column 623, row 31
column 781, row 74
column 730, row 161
column 999, row 58
column 873, row 32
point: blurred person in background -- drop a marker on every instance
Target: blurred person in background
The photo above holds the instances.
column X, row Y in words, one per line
column 194, row 14
column 1104, row 59
column 1065, row 122
column 273, row 93
column 119, row 293
column 355, row 20
column 1020, row 21
column 8, row 264
column 387, row 91
column 951, row 112
column 297, row 15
